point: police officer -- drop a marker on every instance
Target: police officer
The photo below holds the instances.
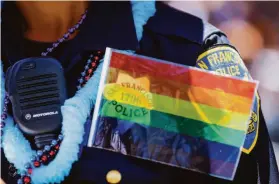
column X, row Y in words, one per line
column 168, row 34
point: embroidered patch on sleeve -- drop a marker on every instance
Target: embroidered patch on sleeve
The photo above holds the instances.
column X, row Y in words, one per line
column 226, row 61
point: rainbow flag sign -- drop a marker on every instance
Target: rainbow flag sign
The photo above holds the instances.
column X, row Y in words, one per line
column 171, row 114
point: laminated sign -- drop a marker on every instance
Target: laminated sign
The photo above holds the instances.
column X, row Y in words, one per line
column 172, row 114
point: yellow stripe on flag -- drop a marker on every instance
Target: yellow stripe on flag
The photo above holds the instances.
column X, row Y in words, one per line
column 178, row 107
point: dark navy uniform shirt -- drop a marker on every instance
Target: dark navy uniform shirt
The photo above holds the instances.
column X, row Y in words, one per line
column 170, row 35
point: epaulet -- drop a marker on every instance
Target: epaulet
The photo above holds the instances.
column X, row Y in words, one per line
column 166, row 20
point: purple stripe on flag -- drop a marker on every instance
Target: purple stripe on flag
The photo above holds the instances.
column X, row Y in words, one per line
column 167, row 147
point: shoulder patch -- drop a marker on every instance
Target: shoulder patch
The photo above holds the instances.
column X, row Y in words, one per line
column 225, row 60
column 253, row 128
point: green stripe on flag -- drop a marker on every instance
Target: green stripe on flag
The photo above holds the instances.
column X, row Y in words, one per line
column 173, row 123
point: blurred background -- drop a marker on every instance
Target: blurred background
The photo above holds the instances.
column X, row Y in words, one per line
column 253, row 28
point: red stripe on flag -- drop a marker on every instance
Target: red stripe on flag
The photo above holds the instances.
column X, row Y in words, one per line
column 183, row 74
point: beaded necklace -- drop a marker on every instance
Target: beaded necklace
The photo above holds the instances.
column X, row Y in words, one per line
column 44, row 156
column 90, row 67
column 81, row 104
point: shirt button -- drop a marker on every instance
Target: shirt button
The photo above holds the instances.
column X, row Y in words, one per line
column 113, row 177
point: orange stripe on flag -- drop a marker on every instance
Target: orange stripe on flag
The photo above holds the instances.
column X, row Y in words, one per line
column 179, row 91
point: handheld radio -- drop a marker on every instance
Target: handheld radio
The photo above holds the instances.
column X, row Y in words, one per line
column 36, row 89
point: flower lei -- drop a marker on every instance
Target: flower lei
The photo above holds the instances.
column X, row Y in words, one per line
column 75, row 112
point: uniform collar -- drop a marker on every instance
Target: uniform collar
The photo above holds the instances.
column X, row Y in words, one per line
column 109, row 24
